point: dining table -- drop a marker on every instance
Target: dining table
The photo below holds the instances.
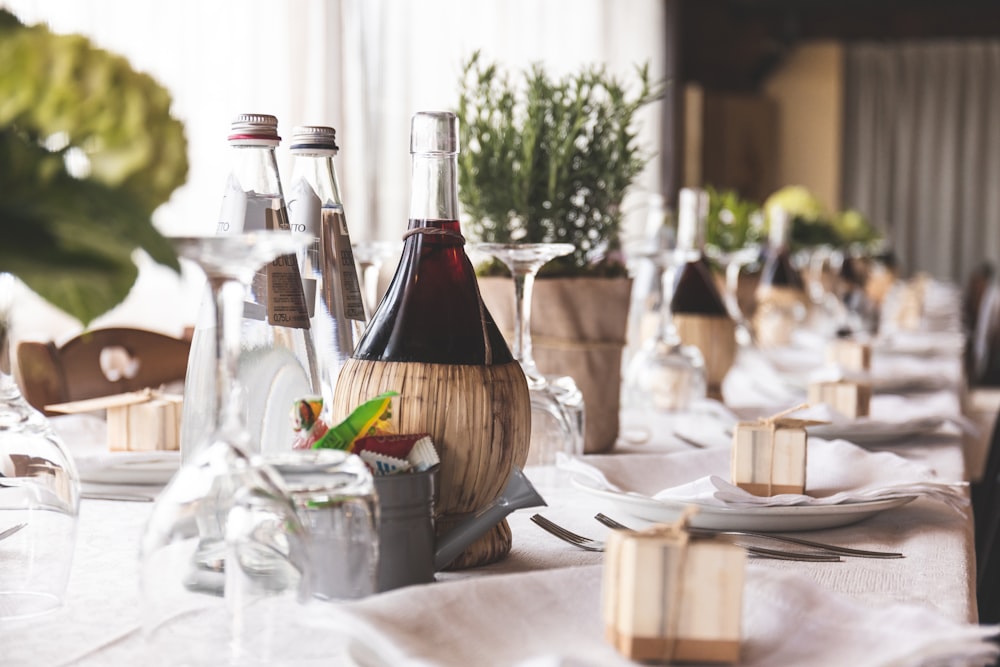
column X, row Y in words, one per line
column 541, row 605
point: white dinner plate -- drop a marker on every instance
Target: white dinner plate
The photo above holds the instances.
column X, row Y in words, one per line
column 869, row 431
column 774, row 519
column 129, row 468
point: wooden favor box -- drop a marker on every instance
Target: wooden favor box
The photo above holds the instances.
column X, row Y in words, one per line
column 849, row 398
column 673, row 598
column 138, row 421
column 850, row 355
column 769, row 456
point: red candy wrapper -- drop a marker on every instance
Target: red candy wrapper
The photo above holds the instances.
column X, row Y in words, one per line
column 396, row 446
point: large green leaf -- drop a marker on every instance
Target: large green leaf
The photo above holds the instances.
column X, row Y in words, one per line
column 70, row 240
column 73, row 238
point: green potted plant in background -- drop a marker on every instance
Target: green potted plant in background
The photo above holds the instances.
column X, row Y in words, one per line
column 551, row 160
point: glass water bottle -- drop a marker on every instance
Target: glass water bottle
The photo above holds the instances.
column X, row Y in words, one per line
column 277, row 361
column 329, row 275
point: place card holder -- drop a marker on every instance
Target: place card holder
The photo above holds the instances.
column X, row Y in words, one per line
column 769, row 455
column 668, row 596
column 848, row 397
column 138, row 421
column 851, row 355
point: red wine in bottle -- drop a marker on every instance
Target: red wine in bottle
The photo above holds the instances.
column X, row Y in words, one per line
column 432, row 311
column 695, row 291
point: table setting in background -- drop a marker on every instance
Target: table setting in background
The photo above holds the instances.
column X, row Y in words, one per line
column 782, row 491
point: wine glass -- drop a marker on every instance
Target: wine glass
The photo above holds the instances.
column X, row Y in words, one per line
column 733, row 262
column 370, row 256
column 665, row 375
column 187, row 557
column 556, row 407
column 39, row 496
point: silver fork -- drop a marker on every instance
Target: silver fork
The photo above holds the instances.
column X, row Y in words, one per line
column 820, row 546
column 10, row 531
column 588, row 544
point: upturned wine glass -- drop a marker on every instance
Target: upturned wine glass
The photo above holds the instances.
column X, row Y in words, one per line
column 187, row 557
column 39, row 496
column 556, row 407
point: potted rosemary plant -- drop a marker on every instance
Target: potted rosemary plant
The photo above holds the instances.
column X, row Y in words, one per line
column 549, row 159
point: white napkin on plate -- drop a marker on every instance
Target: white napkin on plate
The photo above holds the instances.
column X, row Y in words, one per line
column 553, row 619
column 889, row 414
column 86, row 436
column 837, row 472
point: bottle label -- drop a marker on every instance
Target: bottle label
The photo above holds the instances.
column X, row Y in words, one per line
column 286, row 304
column 338, row 255
column 303, row 208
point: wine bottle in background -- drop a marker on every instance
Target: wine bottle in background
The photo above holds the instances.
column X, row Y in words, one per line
column 433, row 340
column 277, row 358
column 329, row 275
column 698, row 308
column 781, row 294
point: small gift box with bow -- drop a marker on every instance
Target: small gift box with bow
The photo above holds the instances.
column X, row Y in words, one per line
column 138, row 421
column 670, row 597
column 851, row 355
column 769, row 455
column 849, row 398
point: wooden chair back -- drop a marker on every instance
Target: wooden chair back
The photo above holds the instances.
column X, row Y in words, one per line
column 101, row 362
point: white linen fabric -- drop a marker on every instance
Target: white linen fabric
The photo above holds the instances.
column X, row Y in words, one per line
column 836, row 472
column 554, row 620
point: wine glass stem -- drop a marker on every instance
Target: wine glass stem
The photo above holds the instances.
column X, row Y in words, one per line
column 668, row 332
column 524, row 283
column 228, row 296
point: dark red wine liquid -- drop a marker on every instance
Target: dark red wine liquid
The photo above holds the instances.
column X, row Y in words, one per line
column 432, row 311
column 779, row 272
column 695, row 292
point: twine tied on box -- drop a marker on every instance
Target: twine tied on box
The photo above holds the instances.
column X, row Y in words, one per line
column 772, row 423
column 676, row 531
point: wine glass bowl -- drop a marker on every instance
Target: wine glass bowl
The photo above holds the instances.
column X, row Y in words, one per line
column 39, row 496
column 370, row 256
column 557, row 411
column 665, row 375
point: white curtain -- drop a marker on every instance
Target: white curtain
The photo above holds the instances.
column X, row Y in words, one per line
column 922, row 149
column 362, row 66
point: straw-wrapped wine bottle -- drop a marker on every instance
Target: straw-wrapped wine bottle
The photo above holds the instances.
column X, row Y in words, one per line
column 432, row 340
column 699, row 312
column 781, row 295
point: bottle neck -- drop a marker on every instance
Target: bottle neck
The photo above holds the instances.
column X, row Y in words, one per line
column 779, row 231
column 690, row 226
column 255, row 167
column 317, row 171
column 434, row 186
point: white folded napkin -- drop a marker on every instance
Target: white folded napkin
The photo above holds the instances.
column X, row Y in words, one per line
column 890, row 414
column 85, row 437
column 837, row 472
column 553, row 619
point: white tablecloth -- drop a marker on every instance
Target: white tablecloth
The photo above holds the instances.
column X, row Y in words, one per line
column 99, row 626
